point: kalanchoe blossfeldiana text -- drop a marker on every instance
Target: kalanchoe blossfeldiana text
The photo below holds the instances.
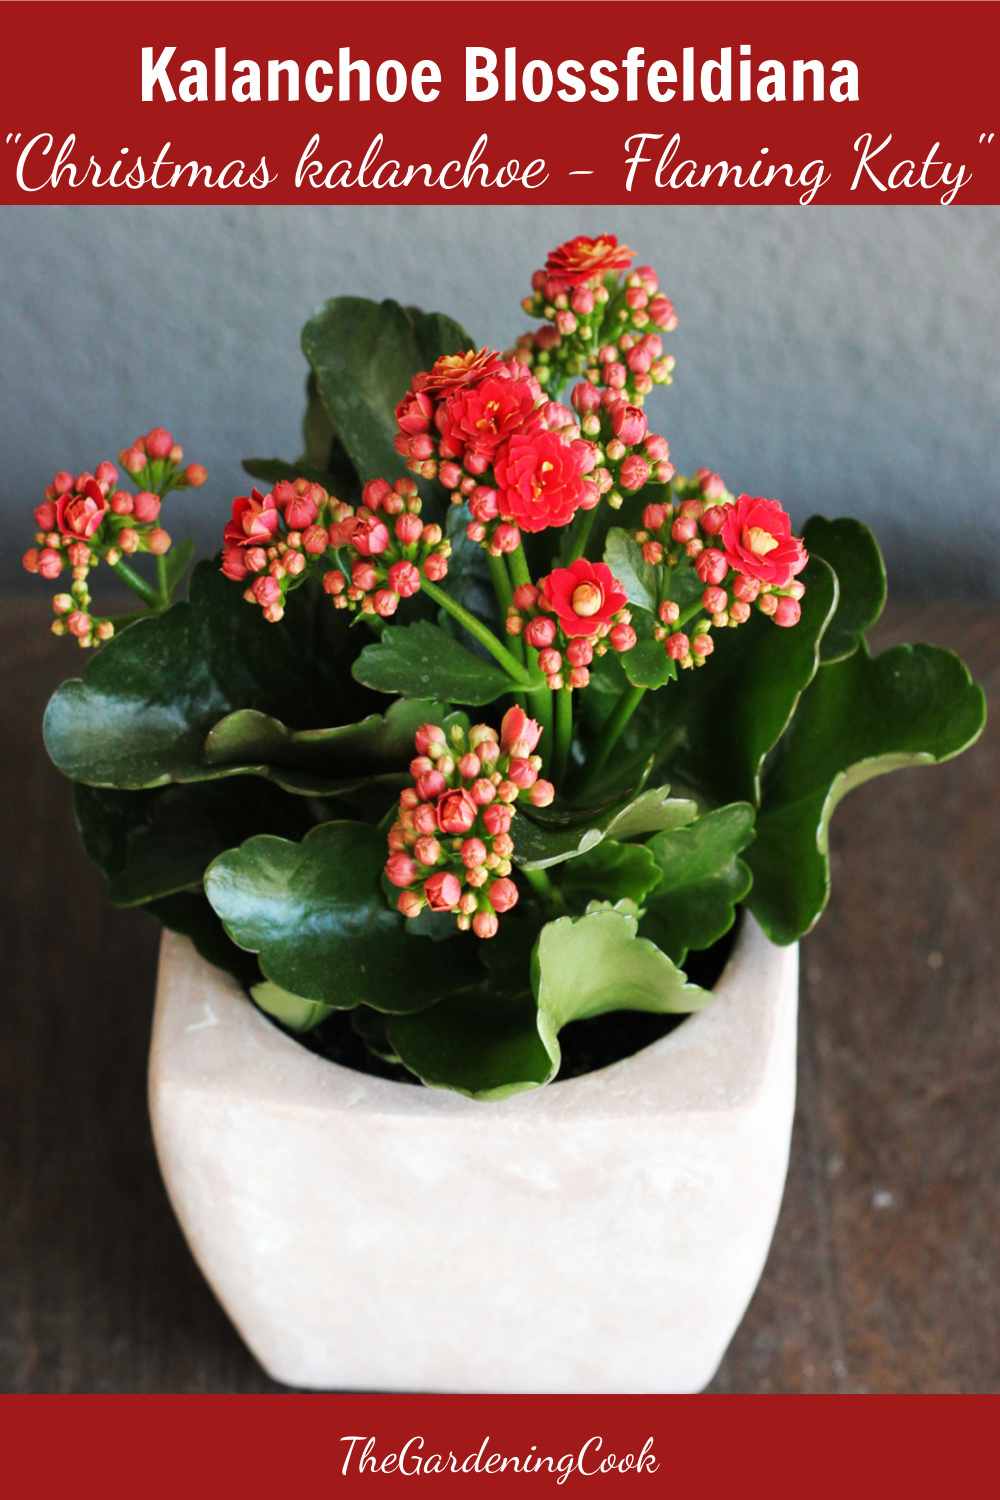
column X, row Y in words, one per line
column 87, row 519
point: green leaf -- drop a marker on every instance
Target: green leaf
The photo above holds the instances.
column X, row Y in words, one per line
column 637, row 577
column 647, row 665
column 363, row 355
column 378, row 741
column 315, row 915
column 542, row 840
column 730, row 713
column 155, row 843
column 701, row 880
column 294, row 1012
column 271, row 470
column 178, row 560
column 853, row 554
column 611, row 872
column 423, row 660
column 489, row 1046
column 862, row 717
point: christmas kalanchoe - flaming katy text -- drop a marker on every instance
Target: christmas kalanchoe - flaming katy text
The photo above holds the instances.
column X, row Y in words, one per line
column 87, row 519
column 450, row 847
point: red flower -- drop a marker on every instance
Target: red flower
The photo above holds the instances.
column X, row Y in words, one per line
column 541, row 480
column 254, row 521
column 451, row 371
column 757, row 539
column 585, row 259
column 80, row 515
column 480, row 417
column 456, row 811
column 583, row 596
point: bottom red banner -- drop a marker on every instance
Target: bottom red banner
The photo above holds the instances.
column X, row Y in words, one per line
column 277, row 1445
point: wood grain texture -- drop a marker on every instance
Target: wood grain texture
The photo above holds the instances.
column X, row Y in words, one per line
column 884, row 1271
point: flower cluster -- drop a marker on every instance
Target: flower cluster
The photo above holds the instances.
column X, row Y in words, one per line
column 743, row 552
column 87, row 519
column 450, row 847
column 571, row 616
column 599, row 323
column 627, row 454
column 369, row 557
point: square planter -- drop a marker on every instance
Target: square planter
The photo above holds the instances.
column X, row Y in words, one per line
column 599, row 1235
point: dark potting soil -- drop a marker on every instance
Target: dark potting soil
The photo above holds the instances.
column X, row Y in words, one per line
column 586, row 1045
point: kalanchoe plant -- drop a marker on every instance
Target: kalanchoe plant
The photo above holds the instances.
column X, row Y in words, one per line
column 673, row 692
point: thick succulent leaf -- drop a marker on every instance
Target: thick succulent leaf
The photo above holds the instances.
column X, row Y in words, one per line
column 363, row 355
column 315, row 914
column 611, row 872
column 490, row 1046
column 549, row 838
column 293, row 1011
column 701, row 880
column 730, row 713
column 647, row 665
column 377, row 742
column 853, row 554
column 271, row 470
column 424, row 661
column 154, row 843
column 637, row 577
column 863, row 716
column 139, row 715
column 177, row 562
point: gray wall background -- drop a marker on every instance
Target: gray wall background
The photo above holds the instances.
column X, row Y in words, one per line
column 841, row 359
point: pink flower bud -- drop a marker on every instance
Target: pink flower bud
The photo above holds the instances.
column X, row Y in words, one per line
column 483, row 792
column 456, row 811
column 473, row 853
column 739, row 612
column 106, row 474
column 195, row 475
column 334, row 582
column 369, row 536
column 159, row 443
column 146, row 506
column 400, row 870
column 78, row 624
column 450, row 475
column 652, row 552
column 519, row 735
column 630, row 424
column 50, row 564
column 266, row 590
column 497, row 818
column 485, row 924
column 711, row 565
column 550, row 662
column 158, row 541
column 45, row 516
column 404, row 578
column 746, row 588
column 654, row 516
column 427, row 849
column 633, row 473
column 503, row 894
column 540, row 632
column 713, row 519
column 678, row 646
column 410, row 903
column 435, row 567
column 364, row 576
column 29, row 560
column 443, row 891
column 586, row 398
column 408, row 529
column 788, row 612
column 715, row 600
column 428, row 736
column 470, row 766
column 430, row 785
column 542, row 794
column 623, row 637
column 710, row 484
column 684, row 529
column 133, row 460
column 702, row 645
column 62, row 481
column 424, row 817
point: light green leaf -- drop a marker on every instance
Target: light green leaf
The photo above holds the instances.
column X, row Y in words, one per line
column 378, row 741
column 853, row 554
column 545, row 839
column 637, row 577
column 293, row 1011
column 611, row 872
column 701, row 880
column 863, row 716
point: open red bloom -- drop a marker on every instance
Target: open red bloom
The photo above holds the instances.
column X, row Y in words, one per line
column 583, row 596
column 540, row 479
column 451, row 371
column 80, row 515
column 254, row 521
column 479, row 417
column 757, row 539
column 585, row 259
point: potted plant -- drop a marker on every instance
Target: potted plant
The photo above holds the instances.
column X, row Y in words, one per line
column 483, row 784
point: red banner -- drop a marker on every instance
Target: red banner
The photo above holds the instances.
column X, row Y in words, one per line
column 709, row 1446
column 514, row 103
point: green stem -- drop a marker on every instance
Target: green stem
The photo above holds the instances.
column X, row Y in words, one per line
column 138, row 585
column 504, row 591
column 162, row 586
column 479, row 631
column 612, row 732
column 564, row 735
column 579, row 535
column 519, row 570
column 543, row 888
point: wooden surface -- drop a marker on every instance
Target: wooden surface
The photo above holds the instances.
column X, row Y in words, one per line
column 885, row 1270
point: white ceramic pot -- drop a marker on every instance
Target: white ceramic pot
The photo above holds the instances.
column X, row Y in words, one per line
column 599, row 1235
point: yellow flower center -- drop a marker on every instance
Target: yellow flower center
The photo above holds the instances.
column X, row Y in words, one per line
column 587, row 599
column 759, row 541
